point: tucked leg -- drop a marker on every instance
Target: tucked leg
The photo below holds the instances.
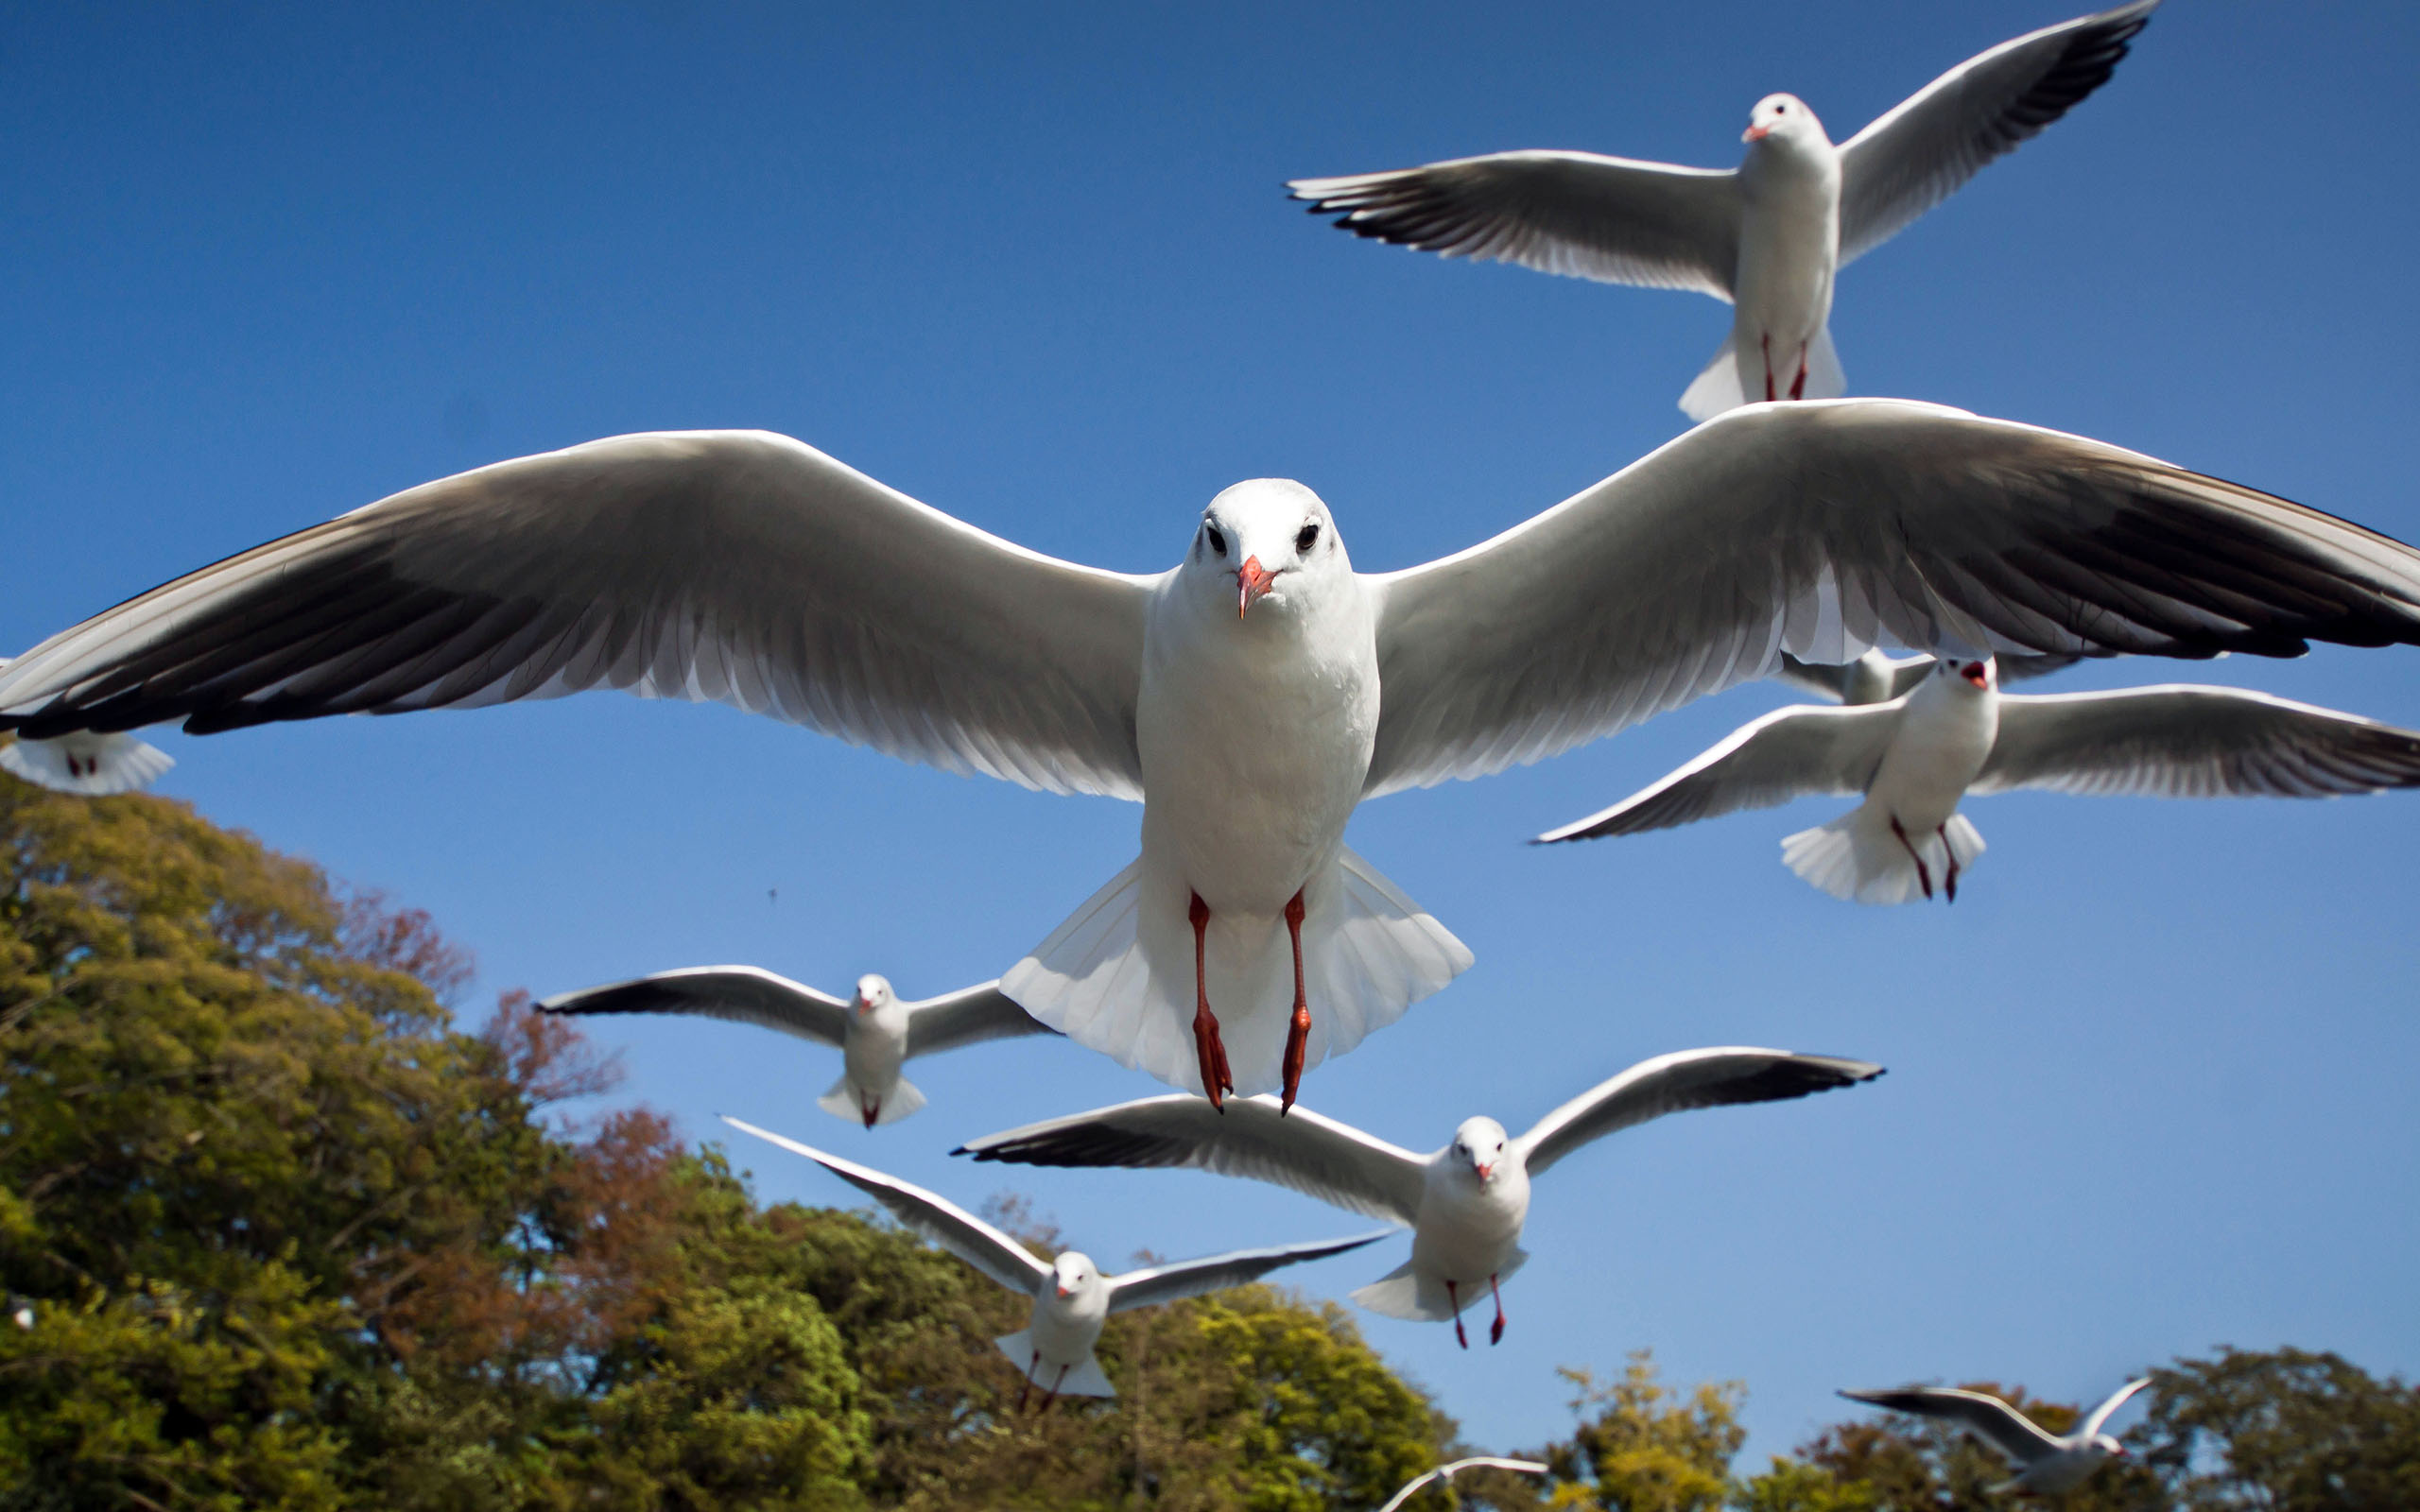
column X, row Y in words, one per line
column 1798, row 385
column 1211, row 1052
column 1025, row 1389
column 1769, row 368
column 1056, row 1382
column 1455, row 1296
column 1924, row 873
column 1495, row 1334
column 1298, row 1033
column 871, row 1110
column 1950, row 859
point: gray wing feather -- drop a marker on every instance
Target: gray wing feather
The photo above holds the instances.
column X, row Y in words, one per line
column 966, row 1017
column 2181, row 741
column 1824, row 528
column 1316, row 1156
column 1191, row 1278
column 1917, row 155
column 1987, row 1417
column 1788, row 753
column 733, row 566
column 742, row 994
column 1685, row 1079
column 936, row 1218
column 1617, row 220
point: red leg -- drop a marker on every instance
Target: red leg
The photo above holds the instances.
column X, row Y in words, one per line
column 1207, row 1043
column 1054, row 1390
column 1769, row 369
column 1454, row 1297
column 1298, row 1033
column 869, row 1111
column 1949, row 882
column 1924, row 873
column 1026, row 1389
column 1495, row 1334
column 1798, row 385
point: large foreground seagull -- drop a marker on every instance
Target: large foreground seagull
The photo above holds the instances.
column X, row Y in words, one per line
column 1767, row 238
column 1252, row 694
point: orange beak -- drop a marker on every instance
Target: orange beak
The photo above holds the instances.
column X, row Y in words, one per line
column 1756, row 134
column 1484, row 1171
column 1061, row 1290
column 1975, row 672
column 1251, row 585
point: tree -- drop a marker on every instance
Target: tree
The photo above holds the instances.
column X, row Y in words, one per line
column 2289, row 1430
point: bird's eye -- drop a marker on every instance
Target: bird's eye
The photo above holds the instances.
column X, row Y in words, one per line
column 1781, row 110
column 1305, row 539
column 1218, row 542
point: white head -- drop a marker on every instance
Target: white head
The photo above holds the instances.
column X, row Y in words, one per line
column 1968, row 677
column 873, row 994
column 1266, row 545
column 2107, row 1446
column 1074, row 1277
column 1479, row 1144
column 1783, row 120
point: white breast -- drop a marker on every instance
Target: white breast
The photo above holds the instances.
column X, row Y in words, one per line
column 1465, row 1232
column 1944, row 737
column 1790, row 239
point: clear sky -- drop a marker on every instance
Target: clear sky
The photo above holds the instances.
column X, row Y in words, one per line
column 2151, row 1077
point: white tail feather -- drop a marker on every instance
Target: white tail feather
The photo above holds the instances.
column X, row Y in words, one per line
column 1421, row 1298
column 845, row 1101
column 1858, row 856
column 93, row 765
column 1117, row 976
column 1717, row 386
column 1825, row 377
column 1084, row 1379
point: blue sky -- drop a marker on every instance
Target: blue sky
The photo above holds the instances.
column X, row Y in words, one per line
column 2149, row 1077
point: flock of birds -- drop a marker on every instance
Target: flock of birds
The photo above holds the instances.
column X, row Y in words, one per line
column 1254, row 694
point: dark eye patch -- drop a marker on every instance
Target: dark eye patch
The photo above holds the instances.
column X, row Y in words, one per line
column 1218, row 542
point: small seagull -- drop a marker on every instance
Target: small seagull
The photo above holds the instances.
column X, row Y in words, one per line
column 84, row 762
column 1879, row 676
column 875, row 1031
column 2047, row 1463
column 1465, row 1204
column 1443, row 1473
column 1253, row 694
column 1917, row 756
column 1071, row 1297
column 1766, row 238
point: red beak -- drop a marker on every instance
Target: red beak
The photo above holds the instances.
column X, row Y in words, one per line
column 1061, row 1290
column 1251, row 584
column 1756, row 134
column 1975, row 672
column 1484, row 1171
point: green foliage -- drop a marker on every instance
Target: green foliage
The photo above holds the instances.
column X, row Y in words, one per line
column 2290, row 1429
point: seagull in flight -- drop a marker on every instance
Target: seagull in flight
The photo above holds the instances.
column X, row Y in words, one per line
column 2047, row 1463
column 1465, row 1204
column 1916, row 757
column 875, row 1030
column 1252, row 696
column 1767, row 238
column 1879, row 676
column 1444, row 1473
column 85, row 762
column 1071, row 1298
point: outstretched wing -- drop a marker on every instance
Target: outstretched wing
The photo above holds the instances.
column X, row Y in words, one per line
column 1987, row 1417
column 1613, row 219
column 1191, row 1278
column 2108, row 1409
column 967, row 1017
column 2182, row 741
column 1317, row 1156
column 1822, row 527
column 742, row 994
column 1678, row 1082
column 1917, row 155
column 1788, row 753
column 937, row 1219
column 734, row 566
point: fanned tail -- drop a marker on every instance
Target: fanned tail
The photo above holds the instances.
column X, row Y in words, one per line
column 1717, row 386
column 1117, row 976
column 1406, row 1294
column 1858, row 856
column 87, row 764
column 845, row 1101
column 1081, row 1379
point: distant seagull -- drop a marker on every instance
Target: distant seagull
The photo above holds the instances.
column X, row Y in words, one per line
column 1252, row 694
column 1446, row 1473
column 875, row 1031
column 1071, row 1298
column 1877, row 677
column 1465, row 1204
column 91, row 764
column 1916, row 757
column 1768, row 236
column 2046, row 1464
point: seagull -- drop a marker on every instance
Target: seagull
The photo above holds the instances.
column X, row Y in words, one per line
column 2046, row 1464
column 84, row 762
column 1465, row 1204
column 874, row 1030
column 1443, row 1473
column 1071, row 1297
column 1917, row 756
column 1254, row 694
column 1766, row 238
column 1879, row 676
